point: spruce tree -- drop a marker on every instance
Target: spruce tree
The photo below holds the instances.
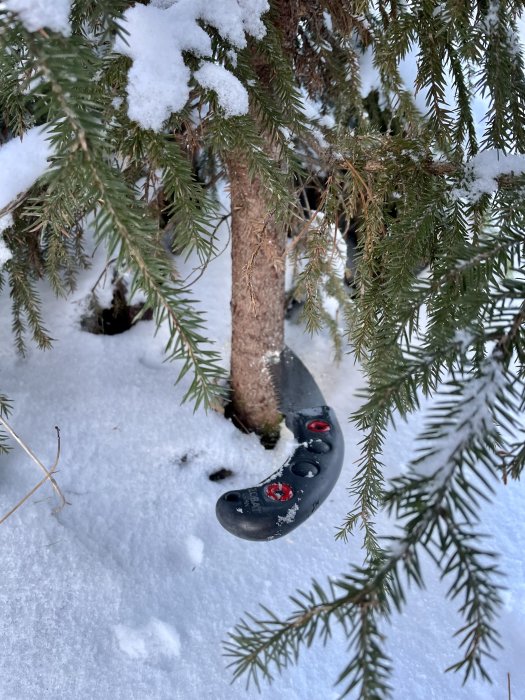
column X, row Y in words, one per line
column 273, row 101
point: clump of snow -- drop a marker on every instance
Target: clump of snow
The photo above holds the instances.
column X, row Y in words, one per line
column 158, row 34
column 158, row 79
column 290, row 515
column 484, row 169
column 37, row 14
column 22, row 162
column 234, row 18
column 195, row 549
column 231, row 93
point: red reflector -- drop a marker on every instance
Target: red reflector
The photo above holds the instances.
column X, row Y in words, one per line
column 318, row 426
column 279, row 492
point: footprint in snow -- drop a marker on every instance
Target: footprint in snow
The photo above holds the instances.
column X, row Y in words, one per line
column 153, row 640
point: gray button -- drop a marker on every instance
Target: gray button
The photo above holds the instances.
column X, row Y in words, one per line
column 306, row 469
column 318, row 446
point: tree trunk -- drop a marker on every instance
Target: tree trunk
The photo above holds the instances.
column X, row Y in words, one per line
column 258, row 249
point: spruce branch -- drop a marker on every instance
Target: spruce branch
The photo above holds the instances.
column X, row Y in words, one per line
column 123, row 224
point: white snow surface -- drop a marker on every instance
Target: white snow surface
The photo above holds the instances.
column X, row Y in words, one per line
column 37, row 14
column 22, row 162
column 128, row 591
column 158, row 34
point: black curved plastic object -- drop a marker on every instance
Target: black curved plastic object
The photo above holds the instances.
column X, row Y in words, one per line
column 289, row 496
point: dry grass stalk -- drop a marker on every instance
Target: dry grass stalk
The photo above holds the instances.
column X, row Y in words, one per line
column 48, row 472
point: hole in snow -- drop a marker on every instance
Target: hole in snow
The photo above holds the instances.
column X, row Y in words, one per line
column 118, row 318
column 220, row 474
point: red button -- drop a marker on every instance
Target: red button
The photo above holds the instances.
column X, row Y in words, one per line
column 279, row 491
column 319, row 426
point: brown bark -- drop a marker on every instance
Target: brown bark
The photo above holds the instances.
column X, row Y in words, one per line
column 258, row 246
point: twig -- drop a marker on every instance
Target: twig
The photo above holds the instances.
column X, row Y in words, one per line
column 104, row 272
column 308, row 224
column 505, row 341
column 13, row 204
column 202, row 268
column 30, row 453
column 40, row 483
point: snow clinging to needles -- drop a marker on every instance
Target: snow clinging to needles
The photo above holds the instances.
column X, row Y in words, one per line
column 37, row 14
column 484, row 169
column 157, row 36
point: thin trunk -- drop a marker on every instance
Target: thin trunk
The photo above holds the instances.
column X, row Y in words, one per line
column 258, row 246
column 258, row 269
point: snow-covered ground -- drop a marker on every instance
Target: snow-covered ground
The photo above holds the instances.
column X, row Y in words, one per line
column 128, row 592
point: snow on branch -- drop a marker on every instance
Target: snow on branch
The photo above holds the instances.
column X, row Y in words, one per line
column 22, row 162
column 467, row 411
column 231, row 94
column 158, row 34
column 37, row 14
column 486, row 168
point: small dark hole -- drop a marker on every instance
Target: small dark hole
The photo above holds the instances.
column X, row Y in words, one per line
column 118, row 318
column 232, row 497
column 220, row 474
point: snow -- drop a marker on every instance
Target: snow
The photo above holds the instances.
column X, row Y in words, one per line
column 5, row 253
column 37, row 14
column 290, row 515
column 158, row 34
column 491, row 20
column 313, row 111
column 22, row 162
column 155, row 638
column 129, row 591
column 231, row 93
column 6, row 222
column 195, row 549
column 368, row 73
column 483, row 170
column 472, row 416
